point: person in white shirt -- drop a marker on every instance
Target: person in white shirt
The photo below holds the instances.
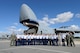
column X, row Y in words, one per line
column 50, row 39
column 40, row 39
column 56, row 39
column 29, row 39
column 63, row 38
column 19, row 40
column 53, row 39
column 34, row 39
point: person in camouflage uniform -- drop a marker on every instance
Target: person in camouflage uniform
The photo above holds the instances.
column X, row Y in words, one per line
column 71, row 39
column 68, row 39
column 13, row 40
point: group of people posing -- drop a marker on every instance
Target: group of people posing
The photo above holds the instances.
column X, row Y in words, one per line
column 59, row 39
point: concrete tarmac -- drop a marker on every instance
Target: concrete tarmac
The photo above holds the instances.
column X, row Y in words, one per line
column 6, row 48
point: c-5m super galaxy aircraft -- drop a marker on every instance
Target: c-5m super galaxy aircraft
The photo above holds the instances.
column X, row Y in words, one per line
column 29, row 19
